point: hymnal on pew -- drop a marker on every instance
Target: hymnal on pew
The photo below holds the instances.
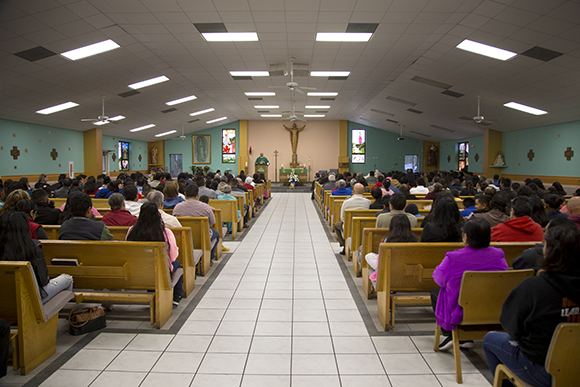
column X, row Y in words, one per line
column 64, row 261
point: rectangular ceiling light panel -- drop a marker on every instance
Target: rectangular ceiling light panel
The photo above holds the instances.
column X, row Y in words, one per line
column 216, row 120
column 57, row 108
column 202, row 112
column 343, row 36
column 231, row 36
column 165, row 133
column 271, row 115
column 317, row 106
column 249, row 73
column 148, row 82
column 142, row 128
column 321, row 94
column 267, row 106
column 329, row 73
column 181, row 100
column 314, row 115
column 525, row 109
column 90, row 50
column 484, row 49
column 260, row 93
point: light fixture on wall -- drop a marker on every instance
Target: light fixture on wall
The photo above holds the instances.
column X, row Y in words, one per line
column 250, row 150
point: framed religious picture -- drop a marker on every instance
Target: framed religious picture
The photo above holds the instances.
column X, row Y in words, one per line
column 175, row 164
column 228, row 145
column 201, row 148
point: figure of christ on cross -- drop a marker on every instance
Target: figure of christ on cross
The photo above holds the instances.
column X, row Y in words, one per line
column 294, row 140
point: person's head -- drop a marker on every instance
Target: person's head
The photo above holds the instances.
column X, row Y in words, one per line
column 130, row 193
column 398, row 201
column 149, row 226
column 13, row 198
column 42, row 178
column 331, row 177
column 80, row 204
column 204, row 199
column 404, row 189
column 155, row 197
column 116, row 201
column 249, row 180
column 468, row 202
column 553, row 201
column 387, row 184
column 412, row 209
column 525, row 191
column 376, row 193
column 261, row 154
column 234, row 182
column 171, row 189
column 15, row 241
column 561, row 245
column 28, row 208
column 191, row 191
column 200, row 181
column 496, row 177
column 227, row 189
column 380, row 178
column 574, row 206
column 515, row 186
column 39, row 196
column 505, row 183
column 483, row 203
column 437, row 187
column 67, row 182
column 521, row 206
column 341, row 183
column 358, row 189
column 146, row 189
column 538, row 214
column 447, row 213
column 477, row 233
column 400, row 230
column 386, row 200
column 421, row 181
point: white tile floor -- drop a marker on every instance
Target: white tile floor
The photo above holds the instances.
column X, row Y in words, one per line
column 280, row 313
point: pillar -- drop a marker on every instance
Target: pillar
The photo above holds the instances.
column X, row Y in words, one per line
column 243, row 158
column 93, row 151
column 343, row 160
column 492, row 145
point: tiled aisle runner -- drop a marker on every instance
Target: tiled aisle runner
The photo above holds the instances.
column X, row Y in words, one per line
column 280, row 313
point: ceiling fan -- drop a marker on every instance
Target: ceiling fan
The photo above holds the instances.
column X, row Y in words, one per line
column 293, row 115
column 293, row 86
column 102, row 118
column 183, row 136
column 478, row 119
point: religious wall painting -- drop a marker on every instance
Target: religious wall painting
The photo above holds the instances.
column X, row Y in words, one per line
column 358, row 147
column 228, row 145
column 201, row 145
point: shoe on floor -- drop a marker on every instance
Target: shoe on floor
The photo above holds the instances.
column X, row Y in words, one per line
column 225, row 248
column 342, row 251
column 446, row 344
column 466, row 344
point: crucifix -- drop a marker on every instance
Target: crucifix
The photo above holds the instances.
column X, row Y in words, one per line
column 54, row 154
column 276, row 163
column 569, row 153
column 15, row 153
column 294, row 130
column 531, row 155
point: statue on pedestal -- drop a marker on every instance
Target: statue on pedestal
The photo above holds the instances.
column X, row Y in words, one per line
column 499, row 160
column 294, row 140
column 154, row 152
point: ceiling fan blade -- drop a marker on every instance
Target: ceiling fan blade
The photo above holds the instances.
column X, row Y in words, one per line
column 89, row 119
column 299, row 89
column 277, row 87
column 307, row 88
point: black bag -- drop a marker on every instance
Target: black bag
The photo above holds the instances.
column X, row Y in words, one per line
column 85, row 320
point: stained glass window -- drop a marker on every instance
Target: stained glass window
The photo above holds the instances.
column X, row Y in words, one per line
column 123, row 155
column 358, row 151
column 228, row 145
column 463, row 155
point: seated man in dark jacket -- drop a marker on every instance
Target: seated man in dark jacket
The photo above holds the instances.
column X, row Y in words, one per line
column 80, row 227
column 46, row 213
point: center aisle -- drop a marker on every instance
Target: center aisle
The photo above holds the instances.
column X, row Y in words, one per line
column 280, row 313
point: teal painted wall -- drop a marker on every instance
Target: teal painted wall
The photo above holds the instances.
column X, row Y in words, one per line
column 549, row 144
column 135, row 149
column 185, row 148
column 383, row 150
column 451, row 148
column 35, row 143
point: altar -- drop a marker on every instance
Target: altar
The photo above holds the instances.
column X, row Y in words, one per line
column 302, row 174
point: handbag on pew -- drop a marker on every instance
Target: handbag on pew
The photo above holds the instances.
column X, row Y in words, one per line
column 85, row 320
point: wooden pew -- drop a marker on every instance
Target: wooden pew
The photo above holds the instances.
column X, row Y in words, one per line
column 335, row 207
column 359, row 223
column 128, row 266
column 201, row 238
column 325, row 199
column 317, row 193
column 229, row 210
column 100, row 203
column 408, row 267
column 347, row 227
column 35, row 339
column 269, row 188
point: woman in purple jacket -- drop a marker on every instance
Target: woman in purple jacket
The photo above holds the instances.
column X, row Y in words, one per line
column 477, row 255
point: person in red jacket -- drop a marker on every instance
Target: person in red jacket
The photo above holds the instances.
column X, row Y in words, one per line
column 118, row 216
column 520, row 227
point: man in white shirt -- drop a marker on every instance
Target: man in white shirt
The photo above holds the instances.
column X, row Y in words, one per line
column 356, row 202
column 157, row 198
column 420, row 188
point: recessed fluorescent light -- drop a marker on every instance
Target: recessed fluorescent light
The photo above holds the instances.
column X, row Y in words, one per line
column 524, row 108
column 117, row 118
column 260, row 93
column 321, row 94
column 216, row 120
column 249, row 73
column 266, row 106
column 90, row 50
column 230, row 36
column 165, row 133
column 57, row 108
column 343, row 36
column 271, row 115
column 148, row 82
column 484, row 49
column 100, row 123
column 314, row 115
column 142, row 128
column 181, row 100
column 202, row 112
column 317, row 106
column 329, row 73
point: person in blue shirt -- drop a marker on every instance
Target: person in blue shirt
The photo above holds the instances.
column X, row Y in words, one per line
column 341, row 190
column 469, row 205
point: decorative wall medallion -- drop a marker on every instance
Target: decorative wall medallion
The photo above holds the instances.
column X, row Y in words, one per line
column 531, row 155
column 448, row 158
column 54, row 154
column 39, row 140
column 476, row 157
column 1, row 148
column 114, row 157
column 13, row 134
column 49, row 132
column 59, row 165
column 140, row 158
column 15, row 167
column 68, row 148
column 15, row 153
column 569, row 153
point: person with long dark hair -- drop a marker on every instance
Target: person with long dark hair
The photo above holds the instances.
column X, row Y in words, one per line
column 150, row 228
column 17, row 245
column 538, row 214
column 446, row 224
column 536, row 306
column 29, row 209
column 399, row 231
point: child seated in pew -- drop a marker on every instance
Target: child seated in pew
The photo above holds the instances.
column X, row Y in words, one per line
column 17, row 245
column 399, row 231
column 150, row 228
column 536, row 306
column 476, row 255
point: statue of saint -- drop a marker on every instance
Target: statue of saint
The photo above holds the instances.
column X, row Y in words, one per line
column 154, row 152
column 499, row 160
column 294, row 135
column 433, row 161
